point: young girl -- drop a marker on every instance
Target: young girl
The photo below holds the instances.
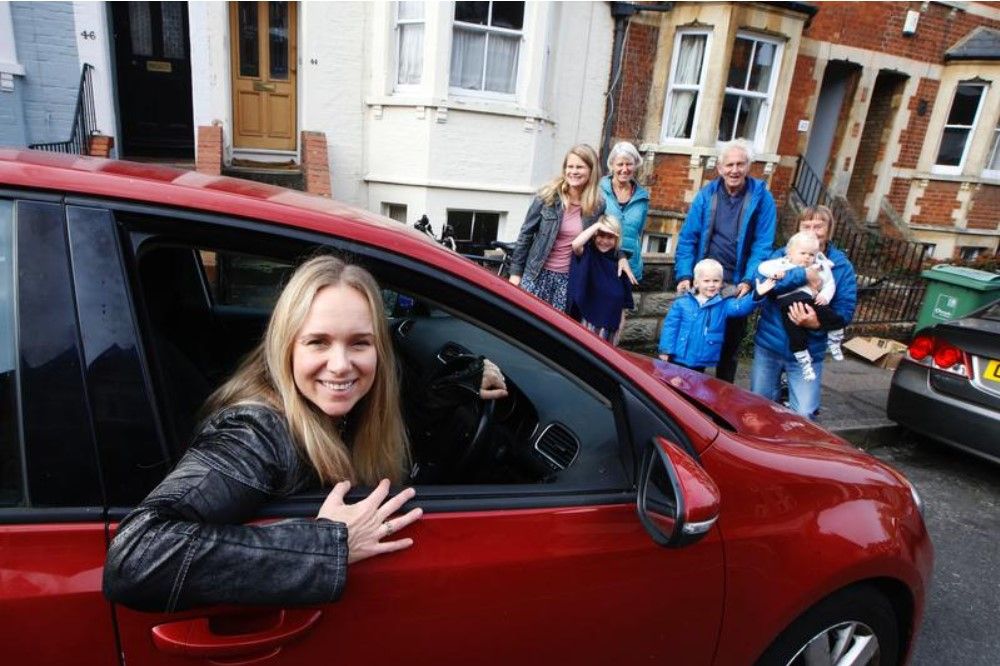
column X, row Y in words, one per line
column 597, row 295
column 696, row 324
column 803, row 250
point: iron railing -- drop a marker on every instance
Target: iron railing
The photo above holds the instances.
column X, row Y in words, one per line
column 84, row 121
column 890, row 289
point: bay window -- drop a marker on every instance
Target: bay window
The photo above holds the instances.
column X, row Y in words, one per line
column 753, row 75
column 410, row 38
column 684, row 91
column 486, row 42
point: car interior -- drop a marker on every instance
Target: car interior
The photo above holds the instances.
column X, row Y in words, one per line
column 206, row 307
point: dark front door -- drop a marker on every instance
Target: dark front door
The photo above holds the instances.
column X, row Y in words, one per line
column 153, row 57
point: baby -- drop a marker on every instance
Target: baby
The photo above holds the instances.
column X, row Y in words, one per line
column 803, row 251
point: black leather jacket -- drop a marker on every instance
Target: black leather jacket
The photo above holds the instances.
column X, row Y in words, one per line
column 186, row 546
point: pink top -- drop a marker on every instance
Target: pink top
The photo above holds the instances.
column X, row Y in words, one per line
column 562, row 250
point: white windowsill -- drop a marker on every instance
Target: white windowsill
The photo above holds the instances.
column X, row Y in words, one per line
column 489, row 106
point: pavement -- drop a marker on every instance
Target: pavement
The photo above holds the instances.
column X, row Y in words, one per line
column 853, row 401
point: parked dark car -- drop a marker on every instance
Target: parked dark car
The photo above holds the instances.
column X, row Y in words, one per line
column 947, row 386
column 622, row 510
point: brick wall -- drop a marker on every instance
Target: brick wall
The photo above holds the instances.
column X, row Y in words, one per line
column 983, row 208
column 792, row 141
column 878, row 26
column 873, row 138
column 209, row 150
column 316, row 163
column 940, row 198
column 669, row 181
column 45, row 35
column 912, row 138
column 637, row 77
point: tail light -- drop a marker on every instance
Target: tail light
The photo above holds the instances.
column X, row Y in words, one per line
column 939, row 354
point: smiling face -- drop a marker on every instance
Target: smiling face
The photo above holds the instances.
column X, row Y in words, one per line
column 576, row 173
column 623, row 169
column 708, row 283
column 605, row 241
column 334, row 357
column 734, row 167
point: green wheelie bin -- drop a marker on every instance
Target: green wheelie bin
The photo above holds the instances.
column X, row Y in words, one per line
column 955, row 291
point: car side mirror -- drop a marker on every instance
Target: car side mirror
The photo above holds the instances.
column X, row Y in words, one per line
column 678, row 502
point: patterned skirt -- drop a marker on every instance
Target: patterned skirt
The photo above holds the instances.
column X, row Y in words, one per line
column 550, row 287
column 610, row 334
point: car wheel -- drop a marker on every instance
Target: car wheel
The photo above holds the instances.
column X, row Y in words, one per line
column 852, row 627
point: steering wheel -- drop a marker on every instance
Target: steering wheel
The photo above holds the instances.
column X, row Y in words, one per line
column 478, row 444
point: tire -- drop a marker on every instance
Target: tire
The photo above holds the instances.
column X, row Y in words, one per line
column 857, row 619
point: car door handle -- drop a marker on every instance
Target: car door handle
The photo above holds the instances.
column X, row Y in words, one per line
column 200, row 636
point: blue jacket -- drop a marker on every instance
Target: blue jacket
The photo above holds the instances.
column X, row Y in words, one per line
column 770, row 332
column 632, row 215
column 692, row 334
column 759, row 220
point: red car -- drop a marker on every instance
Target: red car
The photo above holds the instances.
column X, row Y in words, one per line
column 612, row 509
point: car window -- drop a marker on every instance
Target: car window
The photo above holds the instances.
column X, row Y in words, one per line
column 243, row 280
column 10, row 454
column 553, row 430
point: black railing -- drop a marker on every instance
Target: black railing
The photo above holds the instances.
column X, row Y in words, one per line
column 84, row 121
column 890, row 289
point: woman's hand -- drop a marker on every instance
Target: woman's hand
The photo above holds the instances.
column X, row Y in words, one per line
column 493, row 386
column 683, row 286
column 369, row 521
column 623, row 267
column 515, row 280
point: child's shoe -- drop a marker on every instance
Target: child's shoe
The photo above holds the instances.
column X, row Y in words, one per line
column 806, row 365
column 833, row 340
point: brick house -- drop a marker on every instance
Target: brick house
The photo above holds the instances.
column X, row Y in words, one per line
column 893, row 106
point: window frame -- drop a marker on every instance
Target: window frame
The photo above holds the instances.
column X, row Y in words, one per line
column 488, row 29
column 398, row 43
column 993, row 155
column 945, row 169
column 672, row 86
column 481, row 308
column 768, row 98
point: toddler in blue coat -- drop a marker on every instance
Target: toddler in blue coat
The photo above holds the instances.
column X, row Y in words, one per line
column 696, row 324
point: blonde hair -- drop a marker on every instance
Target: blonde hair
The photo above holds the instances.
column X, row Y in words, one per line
column 558, row 187
column 611, row 222
column 379, row 447
column 802, row 237
column 707, row 266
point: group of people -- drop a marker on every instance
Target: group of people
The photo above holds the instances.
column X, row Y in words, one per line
column 579, row 250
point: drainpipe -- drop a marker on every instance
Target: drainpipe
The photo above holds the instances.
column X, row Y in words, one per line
column 621, row 12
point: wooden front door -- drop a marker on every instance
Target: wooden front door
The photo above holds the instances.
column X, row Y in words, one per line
column 264, row 55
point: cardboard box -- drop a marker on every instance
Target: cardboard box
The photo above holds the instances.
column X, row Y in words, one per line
column 877, row 351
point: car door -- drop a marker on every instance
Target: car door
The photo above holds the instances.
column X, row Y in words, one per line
column 554, row 570
column 52, row 527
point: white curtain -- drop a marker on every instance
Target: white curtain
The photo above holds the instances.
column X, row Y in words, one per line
column 411, row 42
column 468, row 48
column 501, row 63
column 688, row 72
column 141, row 28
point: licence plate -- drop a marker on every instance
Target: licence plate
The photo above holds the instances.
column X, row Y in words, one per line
column 992, row 372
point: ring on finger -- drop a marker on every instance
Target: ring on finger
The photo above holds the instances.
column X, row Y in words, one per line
column 388, row 527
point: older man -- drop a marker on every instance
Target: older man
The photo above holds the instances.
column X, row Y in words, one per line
column 772, row 354
column 731, row 220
